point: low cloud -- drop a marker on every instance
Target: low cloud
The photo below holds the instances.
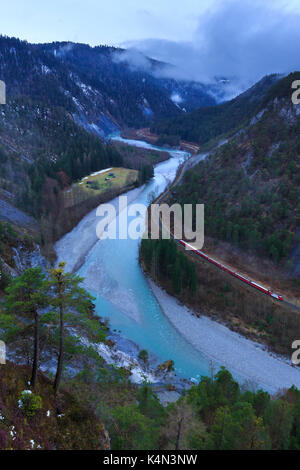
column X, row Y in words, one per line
column 64, row 50
column 134, row 58
column 176, row 98
column 239, row 40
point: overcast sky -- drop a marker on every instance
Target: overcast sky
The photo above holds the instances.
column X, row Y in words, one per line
column 202, row 37
column 100, row 21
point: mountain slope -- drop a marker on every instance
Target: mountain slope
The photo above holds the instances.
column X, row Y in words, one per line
column 250, row 186
column 205, row 124
column 63, row 97
column 94, row 84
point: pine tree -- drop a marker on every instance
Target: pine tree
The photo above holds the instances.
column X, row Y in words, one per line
column 26, row 295
column 68, row 297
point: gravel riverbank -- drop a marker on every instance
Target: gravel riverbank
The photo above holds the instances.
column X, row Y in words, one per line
column 248, row 361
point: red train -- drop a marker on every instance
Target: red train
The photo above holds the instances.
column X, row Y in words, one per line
column 239, row 276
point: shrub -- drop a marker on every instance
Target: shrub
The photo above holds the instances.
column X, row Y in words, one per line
column 143, row 356
column 30, row 403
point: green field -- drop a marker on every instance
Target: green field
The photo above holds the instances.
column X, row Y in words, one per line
column 96, row 184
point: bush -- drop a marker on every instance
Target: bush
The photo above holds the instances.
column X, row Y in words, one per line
column 143, row 356
column 95, row 185
column 30, row 403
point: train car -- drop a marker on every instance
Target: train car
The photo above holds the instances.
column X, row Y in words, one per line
column 259, row 287
column 276, row 296
column 239, row 276
column 242, row 278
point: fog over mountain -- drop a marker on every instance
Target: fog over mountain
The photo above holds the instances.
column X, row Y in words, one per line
column 242, row 41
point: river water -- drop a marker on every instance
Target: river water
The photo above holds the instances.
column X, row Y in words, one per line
column 114, row 277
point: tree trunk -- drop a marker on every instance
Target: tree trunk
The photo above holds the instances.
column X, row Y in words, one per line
column 178, row 434
column 222, row 432
column 35, row 363
column 61, row 351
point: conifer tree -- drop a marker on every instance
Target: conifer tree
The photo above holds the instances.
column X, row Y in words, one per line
column 68, row 297
column 26, row 295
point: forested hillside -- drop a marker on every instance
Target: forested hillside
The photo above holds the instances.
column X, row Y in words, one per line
column 250, row 186
column 63, row 100
column 38, row 142
column 205, row 124
column 94, row 84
